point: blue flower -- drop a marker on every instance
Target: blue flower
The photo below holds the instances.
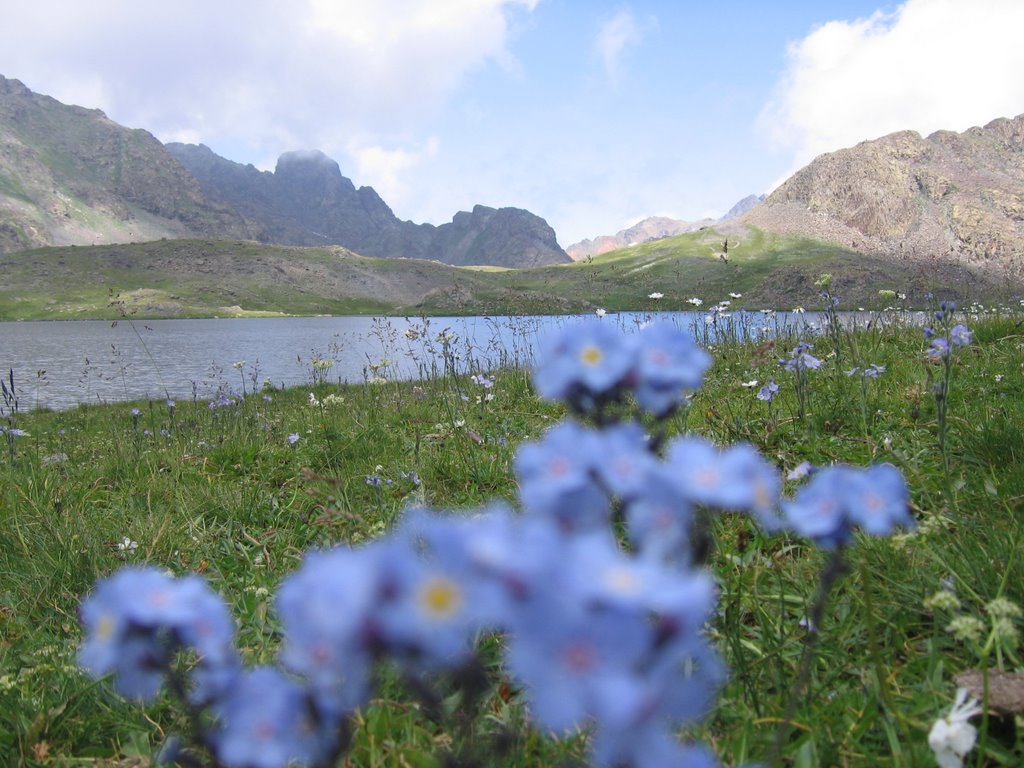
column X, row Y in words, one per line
column 658, row 520
column 326, row 609
column 135, row 619
column 768, row 392
column 939, row 348
column 626, row 462
column 960, row 335
column 580, row 363
column 817, row 511
column 266, row 721
column 668, row 361
column 293, row 438
column 840, row 497
column 878, row 500
column 557, row 476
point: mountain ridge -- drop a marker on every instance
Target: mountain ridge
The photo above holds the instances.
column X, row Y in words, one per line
column 951, row 196
column 654, row 228
column 71, row 176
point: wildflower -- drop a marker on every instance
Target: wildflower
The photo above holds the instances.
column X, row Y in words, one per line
column 587, row 361
column 939, row 348
column 736, row 295
column 411, row 476
column 656, row 295
column 768, row 392
column 482, row 381
column 135, row 413
column 801, row 359
column 374, row 481
column 799, row 310
column 127, row 545
column 170, row 404
column 667, row 361
column 943, row 600
column 952, row 736
column 749, row 384
column 313, row 401
column 293, row 438
column 1000, row 607
column 1004, row 632
column 239, row 365
column 266, row 720
column 960, row 335
column 695, row 301
column 556, row 477
column 600, row 312
column 999, row 377
column 135, row 619
column 801, row 470
column 966, row 628
column 873, row 371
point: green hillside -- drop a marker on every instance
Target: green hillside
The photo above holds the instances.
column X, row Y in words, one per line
column 194, row 278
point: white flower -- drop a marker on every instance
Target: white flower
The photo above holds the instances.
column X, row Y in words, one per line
column 748, row 384
column 656, row 295
column 600, row 312
column 127, row 545
column 736, row 295
column 695, row 301
column 952, row 737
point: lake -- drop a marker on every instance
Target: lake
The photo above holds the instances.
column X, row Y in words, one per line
column 58, row 364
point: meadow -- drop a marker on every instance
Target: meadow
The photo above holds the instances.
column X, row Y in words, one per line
column 237, row 489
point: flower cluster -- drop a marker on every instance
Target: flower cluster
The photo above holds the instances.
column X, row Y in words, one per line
column 593, row 363
column 599, row 633
column 801, row 359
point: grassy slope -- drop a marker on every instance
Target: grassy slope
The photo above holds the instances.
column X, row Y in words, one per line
column 224, row 494
column 175, row 278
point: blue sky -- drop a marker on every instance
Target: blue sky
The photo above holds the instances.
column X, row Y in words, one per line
column 589, row 113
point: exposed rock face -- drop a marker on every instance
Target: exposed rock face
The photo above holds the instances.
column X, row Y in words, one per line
column 951, row 196
column 307, row 201
column 70, row 175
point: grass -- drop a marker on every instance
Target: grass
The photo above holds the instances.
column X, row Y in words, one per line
column 220, row 491
column 204, row 278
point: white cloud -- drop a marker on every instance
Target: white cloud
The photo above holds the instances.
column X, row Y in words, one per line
column 267, row 75
column 930, row 65
column 614, row 37
column 387, row 170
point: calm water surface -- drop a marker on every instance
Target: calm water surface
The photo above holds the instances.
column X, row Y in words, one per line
column 58, row 364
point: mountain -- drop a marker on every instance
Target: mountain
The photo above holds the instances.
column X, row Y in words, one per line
column 307, row 201
column 653, row 228
column 70, row 175
column 950, row 196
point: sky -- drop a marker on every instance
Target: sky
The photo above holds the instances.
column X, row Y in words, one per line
column 589, row 113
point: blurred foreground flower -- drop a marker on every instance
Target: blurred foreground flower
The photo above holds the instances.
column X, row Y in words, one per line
column 952, row 737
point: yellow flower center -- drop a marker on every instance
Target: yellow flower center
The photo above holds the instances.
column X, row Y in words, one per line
column 591, row 355
column 440, row 597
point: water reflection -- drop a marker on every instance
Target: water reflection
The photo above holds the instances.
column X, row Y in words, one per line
column 61, row 363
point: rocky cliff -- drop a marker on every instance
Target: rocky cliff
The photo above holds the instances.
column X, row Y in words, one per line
column 70, row 175
column 950, row 196
column 307, row 201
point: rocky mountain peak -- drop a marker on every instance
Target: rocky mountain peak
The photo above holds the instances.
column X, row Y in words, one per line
column 951, row 195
